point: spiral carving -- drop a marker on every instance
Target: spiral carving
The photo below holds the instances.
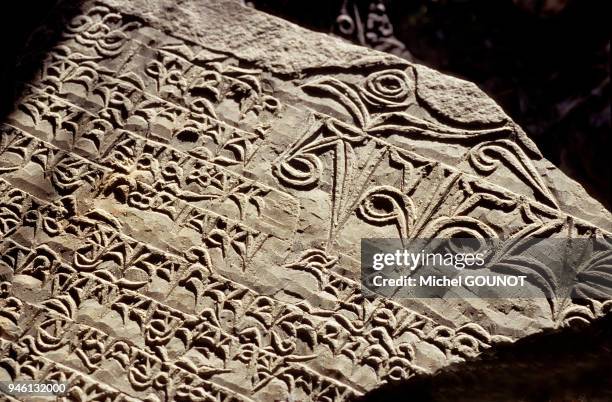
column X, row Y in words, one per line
column 387, row 88
column 300, row 171
column 384, row 205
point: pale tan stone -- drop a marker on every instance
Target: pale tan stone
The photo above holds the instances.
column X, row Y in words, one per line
column 184, row 187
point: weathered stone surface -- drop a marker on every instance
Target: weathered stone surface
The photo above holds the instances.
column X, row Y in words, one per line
column 184, row 187
column 562, row 102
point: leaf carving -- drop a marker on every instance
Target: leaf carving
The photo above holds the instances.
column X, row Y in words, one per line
column 344, row 95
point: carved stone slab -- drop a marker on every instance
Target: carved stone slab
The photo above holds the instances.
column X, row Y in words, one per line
column 183, row 190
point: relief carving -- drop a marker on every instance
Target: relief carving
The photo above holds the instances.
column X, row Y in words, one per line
column 180, row 223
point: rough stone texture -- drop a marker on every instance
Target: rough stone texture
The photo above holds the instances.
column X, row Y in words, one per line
column 183, row 191
column 551, row 76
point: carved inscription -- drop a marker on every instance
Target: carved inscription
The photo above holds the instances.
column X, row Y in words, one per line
column 179, row 224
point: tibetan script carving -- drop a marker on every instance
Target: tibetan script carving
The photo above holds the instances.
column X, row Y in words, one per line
column 183, row 191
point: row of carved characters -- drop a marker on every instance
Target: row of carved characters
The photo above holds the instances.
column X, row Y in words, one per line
column 262, row 320
column 234, row 245
column 116, row 104
column 81, row 81
column 173, row 72
column 389, row 324
column 335, row 336
column 199, row 81
column 396, row 370
column 201, row 183
column 370, row 27
column 212, row 287
column 188, row 177
column 78, row 348
column 378, row 353
column 224, row 237
column 25, row 366
column 228, row 145
column 23, row 157
column 68, row 291
column 259, row 320
column 20, row 150
column 99, row 41
column 231, row 239
column 102, row 29
column 214, row 230
column 331, row 331
column 386, row 104
column 95, row 39
column 184, row 342
column 67, row 125
column 97, row 28
column 164, row 385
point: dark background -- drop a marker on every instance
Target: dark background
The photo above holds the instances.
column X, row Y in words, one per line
column 546, row 62
column 21, row 31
